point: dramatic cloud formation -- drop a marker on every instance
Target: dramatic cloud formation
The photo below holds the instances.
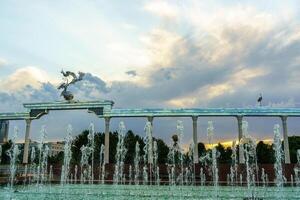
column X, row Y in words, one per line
column 193, row 55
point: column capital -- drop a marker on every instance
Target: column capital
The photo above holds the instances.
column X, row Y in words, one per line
column 284, row 118
column 194, row 118
column 150, row 118
column 239, row 117
column 28, row 121
column 107, row 119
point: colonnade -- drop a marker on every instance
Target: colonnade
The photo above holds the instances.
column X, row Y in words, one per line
column 195, row 137
column 103, row 109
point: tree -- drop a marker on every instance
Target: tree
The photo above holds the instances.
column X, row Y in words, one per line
column 264, row 153
column 130, row 142
column 57, row 159
column 163, row 151
column 113, row 141
column 294, row 145
column 201, row 149
column 5, row 147
column 78, row 141
column 224, row 154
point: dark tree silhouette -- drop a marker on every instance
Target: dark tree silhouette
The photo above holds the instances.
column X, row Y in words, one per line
column 264, row 153
column 201, row 149
column 294, row 143
column 224, row 154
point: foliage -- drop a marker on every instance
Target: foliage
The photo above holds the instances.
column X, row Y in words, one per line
column 130, row 141
column 5, row 147
column 57, row 159
column 201, row 149
column 224, row 153
column 162, row 150
column 264, row 153
column 294, row 143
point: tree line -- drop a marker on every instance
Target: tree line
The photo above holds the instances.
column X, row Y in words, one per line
column 264, row 151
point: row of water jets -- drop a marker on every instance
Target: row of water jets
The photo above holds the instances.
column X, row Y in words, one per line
column 179, row 173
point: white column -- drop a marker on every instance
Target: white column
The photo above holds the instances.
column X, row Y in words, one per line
column 240, row 130
column 285, row 140
column 106, row 142
column 27, row 141
column 195, row 139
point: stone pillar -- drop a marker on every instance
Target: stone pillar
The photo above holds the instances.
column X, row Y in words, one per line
column 150, row 156
column 150, row 119
column 27, row 141
column 195, row 138
column 240, row 130
column 285, row 140
column 106, row 142
column 4, row 128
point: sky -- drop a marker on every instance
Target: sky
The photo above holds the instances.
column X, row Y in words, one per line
column 152, row 54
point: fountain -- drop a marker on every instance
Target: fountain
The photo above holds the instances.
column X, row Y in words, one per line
column 32, row 165
column 120, row 155
column 0, row 153
column 65, row 173
column 137, row 164
column 91, row 145
column 234, row 165
column 297, row 169
column 134, row 180
column 102, row 164
column 13, row 154
column 279, row 178
column 248, row 145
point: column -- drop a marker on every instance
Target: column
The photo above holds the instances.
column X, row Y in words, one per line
column 195, row 139
column 106, row 142
column 4, row 126
column 150, row 156
column 27, row 141
column 285, row 140
column 240, row 129
column 150, row 119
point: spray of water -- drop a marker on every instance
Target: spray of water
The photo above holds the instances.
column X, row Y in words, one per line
column 148, row 150
column 91, row 145
column 249, row 149
column 120, row 155
column 101, row 164
column 13, row 154
column 86, row 152
column 278, row 157
column 0, row 153
column 65, row 173
column 137, row 164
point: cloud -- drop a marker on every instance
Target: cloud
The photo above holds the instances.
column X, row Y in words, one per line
column 210, row 58
column 131, row 73
column 3, row 62
column 23, row 77
column 163, row 9
column 128, row 26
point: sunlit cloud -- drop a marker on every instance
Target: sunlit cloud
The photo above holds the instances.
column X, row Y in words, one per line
column 27, row 76
column 169, row 54
column 161, row 8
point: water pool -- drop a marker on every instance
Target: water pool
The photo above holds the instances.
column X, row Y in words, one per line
column 82, row 192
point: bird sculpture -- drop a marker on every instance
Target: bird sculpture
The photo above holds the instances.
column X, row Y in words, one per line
column 259, row 100
column 74, row 78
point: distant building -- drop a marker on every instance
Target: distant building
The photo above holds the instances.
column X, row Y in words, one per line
column 55, row 148
column 4, row 127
